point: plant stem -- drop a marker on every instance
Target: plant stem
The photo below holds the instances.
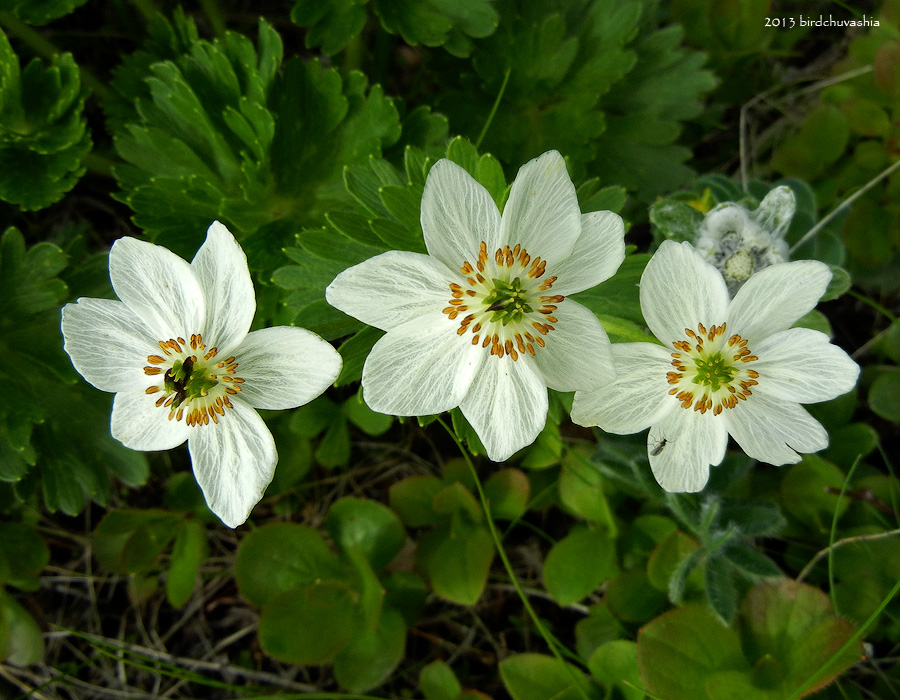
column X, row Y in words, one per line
column 493, row 112
column 552, row 643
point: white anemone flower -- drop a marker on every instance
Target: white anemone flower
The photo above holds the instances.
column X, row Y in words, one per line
column 177, row 354
column 726, row 366
column 483, row 321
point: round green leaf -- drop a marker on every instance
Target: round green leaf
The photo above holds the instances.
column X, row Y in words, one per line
column 615, row 662
column 412, row 499
column 884, row 396
column 438, row 682
column 281, row 557
column 578, row 563
column 188, row 552
column 507, row 492
column 309, row 625
column 539, row 677
column 666, row 557
column 371, row 655
column 24, row 554
column 804, row 495
column 21, row 642
column 457, row 567
column 367, row 525
column 631, row 598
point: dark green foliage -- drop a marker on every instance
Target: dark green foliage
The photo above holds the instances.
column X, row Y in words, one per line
column 222, row 130
column 54, row 429
column 451, row 24
column 43, row 135
column 597, row 81
column 40, row 12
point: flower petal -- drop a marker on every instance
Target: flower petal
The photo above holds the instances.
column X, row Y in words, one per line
column 234, row 461
column 639, row 396
column 158, row 286
column 457, row 214
column 774, row 298
column 800, row 365
column 220, row 267
column 107, row 343
column 419, row 368
column 542, row 213
column 679, row 289
column 773, row 431
column 506, row 405
column 578, row 354
column 391, row 288
column 693, row 443
column 139, row 424
column 285, row 367
column 598, row 252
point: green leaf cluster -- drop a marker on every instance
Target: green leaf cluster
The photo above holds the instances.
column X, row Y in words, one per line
column 133, row 542
column 596, row 80
column 23, row 554
column 335, row 24
column 40, row 12
column 222, row 130
column 43, row 133
column 787, row 636
column 319, row 606
column 54, row 430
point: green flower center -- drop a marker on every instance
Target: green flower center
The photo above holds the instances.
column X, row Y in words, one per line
column 711, row 371
column 192, row 384
column 504, row 302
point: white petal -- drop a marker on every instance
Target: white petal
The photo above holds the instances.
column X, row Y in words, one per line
column 392, row 288
column 138, row 423
column 107, row 343
column 285, row 367
column 679, row 290
column 774, row 298
column 234, row 461
column 599, row 251
column 639, row 396
column 158, row 286
column 420, row 368
column 506, row 405
column 542, row 213
column 578, row 354
column 800, row 365
column 220, row 267
column 457, row 215
column 774, row 431
column 693, row 443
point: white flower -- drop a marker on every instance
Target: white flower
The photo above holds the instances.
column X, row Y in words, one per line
column 740, row 242
column 177, row 354
column 725, row 367
column 482, row 322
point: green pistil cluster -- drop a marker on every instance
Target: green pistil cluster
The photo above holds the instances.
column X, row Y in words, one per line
column 508, row 301
column 714, row 371
column 187, row 381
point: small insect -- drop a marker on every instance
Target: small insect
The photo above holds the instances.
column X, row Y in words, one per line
column 659, row 447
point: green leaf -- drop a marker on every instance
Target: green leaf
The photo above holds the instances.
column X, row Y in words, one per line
column 794, row 623
column 126, row 541
column 507, row 492
column 581, row 491
column 614, row 663
column 43, row 133
column 309, row 625
column 809, row 492
column 677, row 221
column 539, row 677
column 721, row 591
column 188, row 552
column 283, row 557
column 364, row 418
column 884, row 396
column 680, row 651
column 631, row 598
column 438, row 682
column 439, row 22
column 354, row 352
column 372, row 655
column 578, row 563
column 332, row 25
column 412, row 499
column 41, row 12
column 21, row 642
column 665, row 559
column 456, row 565
column 751, row 562
column 24, row 554
column 367, row 525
